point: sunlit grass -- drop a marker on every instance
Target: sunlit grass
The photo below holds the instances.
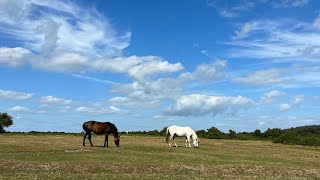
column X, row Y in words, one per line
column 64, row 157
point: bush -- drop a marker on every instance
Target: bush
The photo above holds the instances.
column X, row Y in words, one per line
column 215, row 133
column 288, row 137
column 309, row 140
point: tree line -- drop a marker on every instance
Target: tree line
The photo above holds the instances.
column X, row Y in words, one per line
column 303, row 135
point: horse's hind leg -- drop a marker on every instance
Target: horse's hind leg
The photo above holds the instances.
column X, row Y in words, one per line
column 171, row 138
column 84, row 137
column 89, row 137
column 186, row 141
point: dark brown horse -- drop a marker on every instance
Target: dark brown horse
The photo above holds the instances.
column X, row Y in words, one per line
column 100, row 128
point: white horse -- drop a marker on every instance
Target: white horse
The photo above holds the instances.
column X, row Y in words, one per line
column 173, row 131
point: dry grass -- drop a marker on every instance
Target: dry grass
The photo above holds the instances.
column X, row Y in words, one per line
column 64, row 157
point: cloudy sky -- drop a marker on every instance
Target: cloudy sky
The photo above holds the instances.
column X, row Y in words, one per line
column 144, row 65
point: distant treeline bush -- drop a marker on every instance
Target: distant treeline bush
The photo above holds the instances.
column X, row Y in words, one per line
column 43, row 133
column 304, row 135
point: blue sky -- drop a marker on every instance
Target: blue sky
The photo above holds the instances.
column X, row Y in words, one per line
column 144, row 65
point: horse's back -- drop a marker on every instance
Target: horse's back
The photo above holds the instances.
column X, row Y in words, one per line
column 97, row 127
column 180, row 130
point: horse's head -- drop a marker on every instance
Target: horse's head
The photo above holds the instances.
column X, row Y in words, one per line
column 117, row 141
column 196, row 143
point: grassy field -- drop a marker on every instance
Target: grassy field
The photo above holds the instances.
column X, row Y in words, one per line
column 64, row 157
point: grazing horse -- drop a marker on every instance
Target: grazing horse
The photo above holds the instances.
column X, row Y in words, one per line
column 100, row 128
column 173, row 131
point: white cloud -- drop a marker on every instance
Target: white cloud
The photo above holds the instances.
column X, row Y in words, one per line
column 316, row 23
column 285, row 107
column 210, row 72
column 93, row 79
column 141, row 71
column 98, row 110
column 19, row 109
column 201, row 105
column 295, row 102
column 262, row 77
column 137, row 99
column 151, row 92
column 51, row 99
column 246, row 28
column 62, row 25
column 14, row 57
column 227, row 10
column 283, row 40
column 15, row 95
column 288, row 3
column 270, row 96
column 50, row 32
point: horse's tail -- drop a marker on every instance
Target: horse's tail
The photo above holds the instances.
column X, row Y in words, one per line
column 167, row 135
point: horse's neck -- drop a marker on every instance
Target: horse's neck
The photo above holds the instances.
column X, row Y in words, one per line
column 115, row 134
column 194, row 135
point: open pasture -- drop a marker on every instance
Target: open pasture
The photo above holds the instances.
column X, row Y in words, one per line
column 139, row 157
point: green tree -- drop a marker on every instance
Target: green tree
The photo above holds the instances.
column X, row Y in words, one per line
column 163, row 131
column 201, row 133
column 257, row 133
column 5, row 121
column 215, row 133
column 273, row 133
column 232, row 134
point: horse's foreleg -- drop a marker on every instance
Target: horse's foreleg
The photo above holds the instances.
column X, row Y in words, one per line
column 106, row 140
column 174, row 140
column 171, row 137
column 89, row 137
column 84, row 139
column 188, row 141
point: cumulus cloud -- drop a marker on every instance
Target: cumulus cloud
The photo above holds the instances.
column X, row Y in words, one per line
column 14, row 57
column 210, row 72
column 270, row 96
column 136, row 99
column 50, row 31
column 285, row 107
column 15, row 95
column 51, row 99
column 201, row 105
column 262, row 77
column 151, row 92
column 295, row 102
column 66, row 37
column 19, row 109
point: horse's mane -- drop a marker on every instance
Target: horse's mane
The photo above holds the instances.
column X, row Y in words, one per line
column 113, row 127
